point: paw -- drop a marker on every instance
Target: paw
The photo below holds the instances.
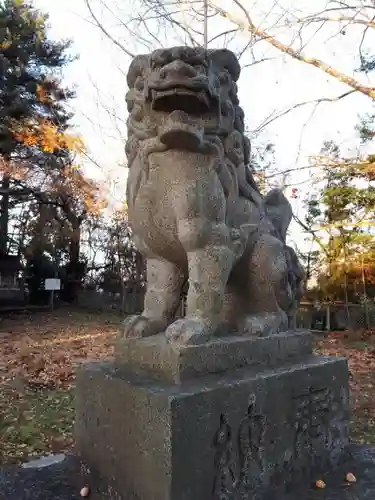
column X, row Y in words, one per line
column 139, row 326
column 190, row 331
column 263, row 324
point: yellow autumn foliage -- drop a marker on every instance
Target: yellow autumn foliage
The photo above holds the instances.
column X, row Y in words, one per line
column 46, row 136
column 69, row 182
column 75, row 184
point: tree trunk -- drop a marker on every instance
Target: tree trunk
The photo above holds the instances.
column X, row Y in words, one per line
column 74, row 279
column 39, row 235
column 75, row 244
column 346, row 281
column 4, row 215
column 365, row 298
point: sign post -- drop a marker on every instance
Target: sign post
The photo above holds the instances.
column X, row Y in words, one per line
column 52, row 284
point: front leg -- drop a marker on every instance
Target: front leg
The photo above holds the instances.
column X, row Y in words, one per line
column 210, row 260
column 164, row 282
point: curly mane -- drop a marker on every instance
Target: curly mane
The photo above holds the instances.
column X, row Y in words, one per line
column 143, row 123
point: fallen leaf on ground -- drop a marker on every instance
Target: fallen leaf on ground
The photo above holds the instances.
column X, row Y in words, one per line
column 320, row 484
column 85, row 492
column 350, row 478
column 38, row 361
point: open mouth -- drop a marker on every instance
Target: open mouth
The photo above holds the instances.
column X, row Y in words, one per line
column 192, row 102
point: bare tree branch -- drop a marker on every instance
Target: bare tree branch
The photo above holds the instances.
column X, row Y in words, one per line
column 310, row 231
column 338, row 19
column 284, row 112
column 247, row 25
column 106, row 32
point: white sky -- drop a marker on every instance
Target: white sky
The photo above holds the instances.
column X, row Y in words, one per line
column 100, row 78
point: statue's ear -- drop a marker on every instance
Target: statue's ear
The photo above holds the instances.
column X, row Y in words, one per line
column 137, row 68
column 225, row 59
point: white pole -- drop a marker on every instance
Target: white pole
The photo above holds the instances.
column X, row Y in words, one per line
column 205, row 27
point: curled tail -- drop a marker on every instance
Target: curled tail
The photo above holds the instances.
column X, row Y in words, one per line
column 279, row 211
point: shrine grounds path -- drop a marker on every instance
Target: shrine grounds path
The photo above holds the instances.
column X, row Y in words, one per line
column 40, row 351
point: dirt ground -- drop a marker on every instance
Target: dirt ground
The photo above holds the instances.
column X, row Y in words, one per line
column 39, row 352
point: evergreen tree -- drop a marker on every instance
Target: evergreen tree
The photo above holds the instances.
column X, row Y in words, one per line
column 33, row 113
column 32, row 100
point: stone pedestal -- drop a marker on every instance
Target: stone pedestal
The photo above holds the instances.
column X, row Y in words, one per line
column 236, row 418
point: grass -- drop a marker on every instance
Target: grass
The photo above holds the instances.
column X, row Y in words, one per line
column 35, row 423
column 39, row 354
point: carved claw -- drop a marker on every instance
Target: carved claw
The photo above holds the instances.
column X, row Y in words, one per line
column 190, row 331
column 138, row 326
column 263, row 324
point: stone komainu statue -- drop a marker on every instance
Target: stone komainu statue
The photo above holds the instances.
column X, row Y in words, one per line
column 195, row 209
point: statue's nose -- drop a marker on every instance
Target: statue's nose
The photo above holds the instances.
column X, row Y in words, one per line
column 177, row 70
